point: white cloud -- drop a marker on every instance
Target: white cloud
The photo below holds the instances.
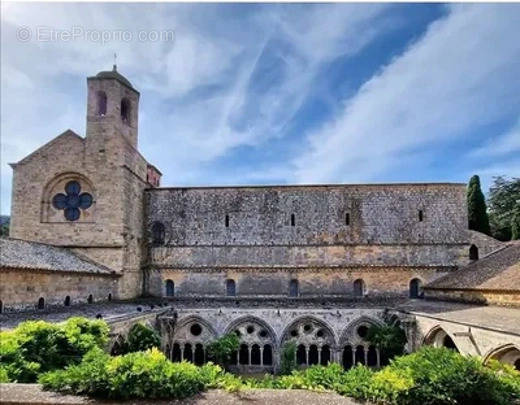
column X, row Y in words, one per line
column 500, row 145
column 461, row 74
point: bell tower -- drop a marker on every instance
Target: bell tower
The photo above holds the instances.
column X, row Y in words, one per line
column 112, row 107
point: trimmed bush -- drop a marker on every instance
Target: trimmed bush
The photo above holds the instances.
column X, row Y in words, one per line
column 146, row 374
column 37, row 346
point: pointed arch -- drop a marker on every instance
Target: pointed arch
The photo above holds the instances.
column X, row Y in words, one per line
column 350, row 335
column 309, row 330
column 244, row 320
column 508, row 353
column 438, row 337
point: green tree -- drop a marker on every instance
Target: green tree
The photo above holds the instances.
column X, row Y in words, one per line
column 390, row 339
column 221, row 349
column 141, row 338
column 477, row 212
column 504, row 207
column 288, row 358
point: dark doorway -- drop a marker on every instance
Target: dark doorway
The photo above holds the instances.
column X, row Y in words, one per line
column 243, row 355
column 67, row 301
column 360, row 355
column 301, row 357
column 176, row 352
column 347, row 357
column 41, row 303
column 325, row 355
column 188, row 352
column 198, row 357
column 313, row 355
column 372, row 357
column 255, row 355
column 268, row 355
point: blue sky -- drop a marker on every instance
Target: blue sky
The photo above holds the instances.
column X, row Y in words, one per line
column 278, row 93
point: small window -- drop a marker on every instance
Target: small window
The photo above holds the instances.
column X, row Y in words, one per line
column 41, row 303
column 227, row 221
column 230, row 288
column 1, row 306
column 158, row 234
column 90, row 299
column 110, row 296
column 293, row 220
column 421, row 215
column 67, row 301
column 473, row 253
column 347, row 218
column 101, row 103
column 416, row 288
column 359, row 288
column 125, row 110
column 170, row 288
column 294, row 289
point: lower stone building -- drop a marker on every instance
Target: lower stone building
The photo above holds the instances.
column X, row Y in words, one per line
column 313, row 264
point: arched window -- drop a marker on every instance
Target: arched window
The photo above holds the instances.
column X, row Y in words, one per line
column 359, row 288
column 473, row 253
column 293, row 288
column 41, row 303
column 293, row 220
column 125, row 110
column 158, row 233
column 101, row 103
column 67, row 301
column 170, row 288
column 110, row 296
column 1, row 306
column 416, row 288
column 90, row 299
column 230, row 288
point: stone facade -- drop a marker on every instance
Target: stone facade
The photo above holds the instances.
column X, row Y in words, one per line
column 316, row 264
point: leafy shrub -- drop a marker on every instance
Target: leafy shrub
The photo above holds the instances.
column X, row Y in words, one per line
column 443, row 376
column 37, row 346
column 146, row 374
column 288, row 358
column 221, row 349
column 141, row 338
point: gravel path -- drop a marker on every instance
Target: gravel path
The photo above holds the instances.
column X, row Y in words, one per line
column 31, row 394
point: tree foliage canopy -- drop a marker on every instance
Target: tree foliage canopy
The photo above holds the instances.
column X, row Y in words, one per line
column 504, row 208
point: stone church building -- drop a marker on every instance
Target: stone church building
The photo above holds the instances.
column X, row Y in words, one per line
column 314, row 264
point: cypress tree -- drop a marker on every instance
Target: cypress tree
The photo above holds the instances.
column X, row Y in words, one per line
column 477, row 213
column 515, row 226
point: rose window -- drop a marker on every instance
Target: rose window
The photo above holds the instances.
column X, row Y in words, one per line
column 72, row 201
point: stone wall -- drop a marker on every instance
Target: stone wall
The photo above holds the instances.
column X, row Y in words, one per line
column 260, row 283
column 21, row 287
column 261, row 216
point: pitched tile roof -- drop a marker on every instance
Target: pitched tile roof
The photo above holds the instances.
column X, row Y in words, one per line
column 27, row 255
column 499, row 270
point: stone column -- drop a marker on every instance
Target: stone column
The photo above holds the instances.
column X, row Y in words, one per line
column 378, row 353
column 319, row 355
column 248, row 355
column 182, row 351
column 365, row 349
column 261, row 355
column 306, row 356
column 353, row 356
